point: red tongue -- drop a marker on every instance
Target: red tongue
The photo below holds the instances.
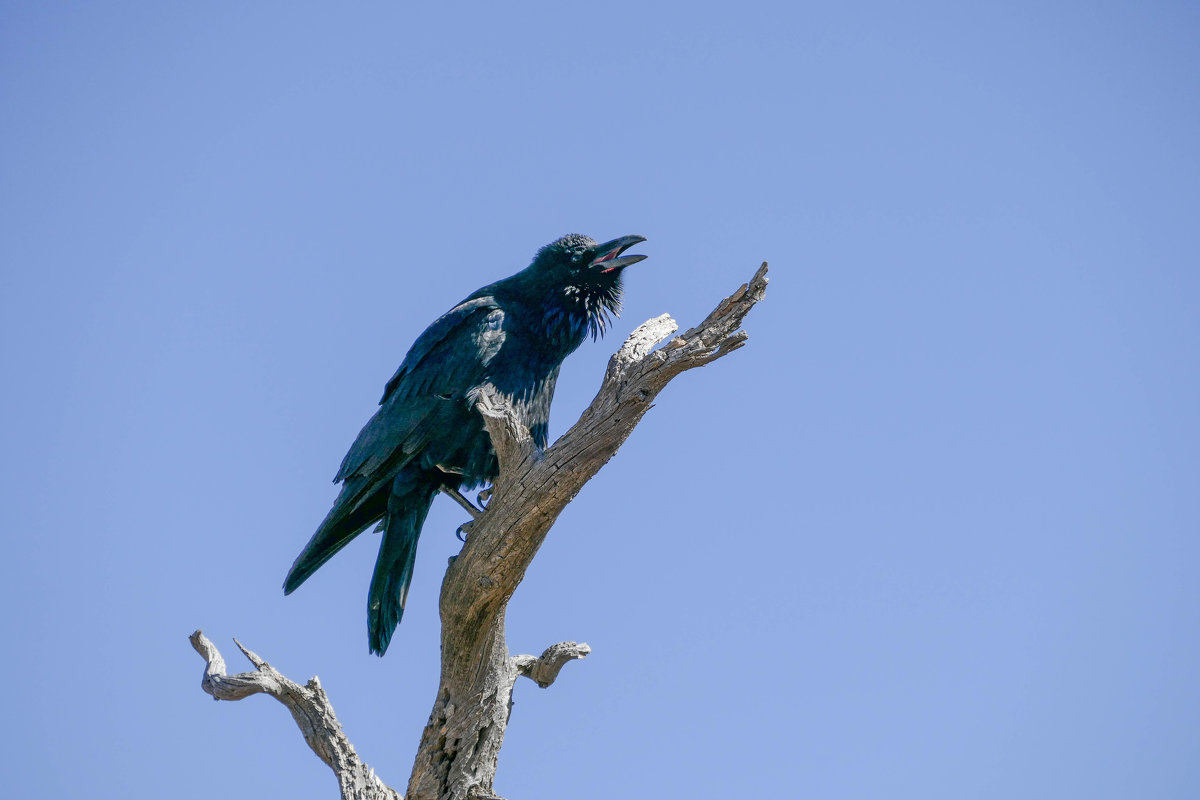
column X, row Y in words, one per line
column 609, row 255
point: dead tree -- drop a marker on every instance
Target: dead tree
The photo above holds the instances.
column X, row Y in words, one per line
column 461, row 742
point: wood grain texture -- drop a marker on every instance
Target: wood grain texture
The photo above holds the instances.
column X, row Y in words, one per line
column 310, row 708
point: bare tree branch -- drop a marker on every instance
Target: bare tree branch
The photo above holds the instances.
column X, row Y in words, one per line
column 461, row 742
column 544, row 669
column 310, row 708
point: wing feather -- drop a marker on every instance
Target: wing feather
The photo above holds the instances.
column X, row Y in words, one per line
column 445, row 362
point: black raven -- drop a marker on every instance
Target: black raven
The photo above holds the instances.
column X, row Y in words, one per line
column 427, row 435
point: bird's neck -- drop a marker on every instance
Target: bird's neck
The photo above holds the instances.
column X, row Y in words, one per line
column 570, row 313
column 557, row 317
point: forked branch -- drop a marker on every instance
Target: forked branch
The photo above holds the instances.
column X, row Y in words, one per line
column 310, row 708
column 461, row 742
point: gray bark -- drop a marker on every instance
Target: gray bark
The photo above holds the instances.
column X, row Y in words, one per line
column 461, row 742
column 310, row 708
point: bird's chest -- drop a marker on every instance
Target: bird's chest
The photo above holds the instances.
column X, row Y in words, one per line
column 536, row 347
column 561, row 330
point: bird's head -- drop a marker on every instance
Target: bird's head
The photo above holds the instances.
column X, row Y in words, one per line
column 587, row 273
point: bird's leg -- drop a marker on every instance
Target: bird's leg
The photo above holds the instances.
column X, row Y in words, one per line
column 454, row 495
column 484, row 497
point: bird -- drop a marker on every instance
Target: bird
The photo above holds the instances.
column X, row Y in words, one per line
column 427, row 437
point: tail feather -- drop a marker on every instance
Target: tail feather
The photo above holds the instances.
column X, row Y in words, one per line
column 344, row 521
column 407, row 507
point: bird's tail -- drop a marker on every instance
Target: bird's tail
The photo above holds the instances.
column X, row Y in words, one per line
column 407, row 507
column 350, row 515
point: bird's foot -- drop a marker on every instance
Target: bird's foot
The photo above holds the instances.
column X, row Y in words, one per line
column 484, row 497
column 454, row 495
column 462, row 531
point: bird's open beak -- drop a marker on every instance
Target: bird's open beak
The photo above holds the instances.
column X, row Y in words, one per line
column 608, row 255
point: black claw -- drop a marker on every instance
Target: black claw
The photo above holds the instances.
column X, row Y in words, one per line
column 484, row 497
column 462, row 531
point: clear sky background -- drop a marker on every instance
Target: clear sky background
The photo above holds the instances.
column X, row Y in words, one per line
column 932, row 534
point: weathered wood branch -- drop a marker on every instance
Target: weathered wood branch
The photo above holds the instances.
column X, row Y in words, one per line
column 461, row 742
column 544, row 669
column 310, row 708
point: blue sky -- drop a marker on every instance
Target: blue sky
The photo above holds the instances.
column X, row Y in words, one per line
column 931, row 534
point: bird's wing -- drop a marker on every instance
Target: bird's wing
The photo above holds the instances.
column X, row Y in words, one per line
column 423, row 405
column 429, row 348
column 445, row 362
